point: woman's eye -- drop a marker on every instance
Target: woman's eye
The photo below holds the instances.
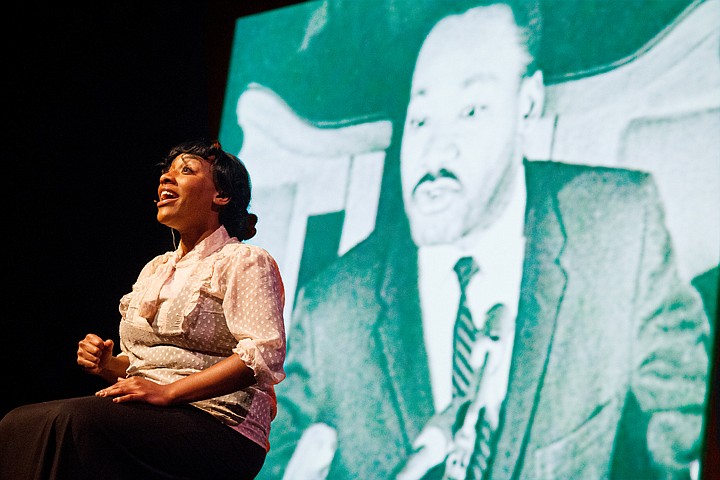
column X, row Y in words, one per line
column 186, row 169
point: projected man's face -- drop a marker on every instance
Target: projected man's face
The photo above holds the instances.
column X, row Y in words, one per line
column 461, row 136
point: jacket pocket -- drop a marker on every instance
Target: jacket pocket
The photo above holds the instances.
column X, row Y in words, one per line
column 584, row 453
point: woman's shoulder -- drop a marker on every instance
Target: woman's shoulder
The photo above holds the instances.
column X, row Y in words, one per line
column 236, row 247
column 245, row 253
column 157, row 261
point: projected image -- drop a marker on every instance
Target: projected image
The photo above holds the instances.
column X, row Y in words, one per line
column 497, row 228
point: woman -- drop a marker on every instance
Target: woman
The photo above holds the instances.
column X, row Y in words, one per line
column 202, row 344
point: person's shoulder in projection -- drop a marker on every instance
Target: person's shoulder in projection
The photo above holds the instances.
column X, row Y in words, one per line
column 571, row 346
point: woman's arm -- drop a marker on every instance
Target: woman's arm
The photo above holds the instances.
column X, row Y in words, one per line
column 227, row 376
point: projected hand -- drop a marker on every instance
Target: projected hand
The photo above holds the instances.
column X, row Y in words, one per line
column 431, row 447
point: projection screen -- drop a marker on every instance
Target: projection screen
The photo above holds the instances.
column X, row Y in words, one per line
column 316, row 106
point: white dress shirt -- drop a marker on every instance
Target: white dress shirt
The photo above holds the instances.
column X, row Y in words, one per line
column 499, row 253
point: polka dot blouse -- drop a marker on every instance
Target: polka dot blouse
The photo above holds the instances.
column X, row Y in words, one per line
column 186, row 313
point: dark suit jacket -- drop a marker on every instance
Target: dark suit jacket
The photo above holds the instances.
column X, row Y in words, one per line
column 603, row 319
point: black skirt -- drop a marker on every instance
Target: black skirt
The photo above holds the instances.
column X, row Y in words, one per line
column 92, row 437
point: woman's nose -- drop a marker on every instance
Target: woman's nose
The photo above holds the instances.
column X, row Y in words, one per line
column 166, row 177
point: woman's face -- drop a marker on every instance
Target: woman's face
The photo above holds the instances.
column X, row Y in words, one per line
column 187, row 196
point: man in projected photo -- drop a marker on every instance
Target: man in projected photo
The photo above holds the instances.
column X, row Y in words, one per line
column 579, row 351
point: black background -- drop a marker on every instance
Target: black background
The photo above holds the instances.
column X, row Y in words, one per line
column 95, row 94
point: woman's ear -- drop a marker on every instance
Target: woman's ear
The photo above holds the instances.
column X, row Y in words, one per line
column 221, row 199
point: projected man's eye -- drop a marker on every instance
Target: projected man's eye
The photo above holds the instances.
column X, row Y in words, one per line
column 417, row 122
column 472, row 110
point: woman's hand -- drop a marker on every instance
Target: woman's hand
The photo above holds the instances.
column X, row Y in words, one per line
column 94, row 353
column 137, row 389
column 95, row 356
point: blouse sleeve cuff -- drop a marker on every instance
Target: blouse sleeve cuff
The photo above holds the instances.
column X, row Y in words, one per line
column 250, row 354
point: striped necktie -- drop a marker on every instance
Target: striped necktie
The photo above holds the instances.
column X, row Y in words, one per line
column 484, row 446
column 473, row 442
column 464, row 333
column 482, row 451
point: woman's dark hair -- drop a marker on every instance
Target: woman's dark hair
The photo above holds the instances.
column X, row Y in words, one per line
column 231, row 180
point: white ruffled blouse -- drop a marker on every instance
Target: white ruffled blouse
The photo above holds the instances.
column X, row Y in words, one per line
column 186, row 313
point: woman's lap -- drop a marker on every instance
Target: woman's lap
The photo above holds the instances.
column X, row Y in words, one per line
column 94, row 437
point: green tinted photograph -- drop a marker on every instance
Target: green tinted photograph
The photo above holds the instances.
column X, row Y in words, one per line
column 497, row 227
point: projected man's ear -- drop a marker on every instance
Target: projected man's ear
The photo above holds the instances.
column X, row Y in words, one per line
column 532, row 96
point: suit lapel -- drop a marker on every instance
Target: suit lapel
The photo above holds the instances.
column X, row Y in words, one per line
column 400, row 337
column 542, row 289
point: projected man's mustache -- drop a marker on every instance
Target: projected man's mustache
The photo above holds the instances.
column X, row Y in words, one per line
column 432, row 176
